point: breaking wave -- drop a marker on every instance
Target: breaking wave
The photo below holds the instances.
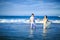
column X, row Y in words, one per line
column 25, row 21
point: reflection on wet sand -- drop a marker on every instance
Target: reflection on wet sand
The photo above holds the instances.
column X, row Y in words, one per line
column 31, row 33
column 44, row 31
column 44, row 34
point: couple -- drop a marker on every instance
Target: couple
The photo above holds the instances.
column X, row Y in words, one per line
column 32, row 21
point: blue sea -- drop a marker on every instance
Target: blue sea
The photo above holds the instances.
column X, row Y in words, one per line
column 18, row 28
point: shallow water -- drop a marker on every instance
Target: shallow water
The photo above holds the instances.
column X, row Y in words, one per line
column 16, row 31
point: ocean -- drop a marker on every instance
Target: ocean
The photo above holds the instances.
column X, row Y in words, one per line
column 18, row 28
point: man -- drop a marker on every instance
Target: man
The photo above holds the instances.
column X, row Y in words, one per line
column 32, row 20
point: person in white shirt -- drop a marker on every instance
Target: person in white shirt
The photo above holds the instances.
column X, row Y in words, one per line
column 32, row 20
column 45, row 20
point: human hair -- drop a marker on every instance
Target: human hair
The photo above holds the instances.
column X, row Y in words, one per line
column 33, row 14
column 45, row 16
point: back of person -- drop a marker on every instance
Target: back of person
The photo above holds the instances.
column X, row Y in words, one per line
column 32, row 19
column 45, row 21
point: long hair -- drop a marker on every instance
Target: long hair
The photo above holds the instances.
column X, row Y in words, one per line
column 45, row 16
column 32, row 13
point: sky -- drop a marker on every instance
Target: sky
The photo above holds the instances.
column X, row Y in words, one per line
column 27, row 7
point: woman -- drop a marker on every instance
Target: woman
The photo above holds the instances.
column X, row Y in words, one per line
column 45, row 22
column 32, row 20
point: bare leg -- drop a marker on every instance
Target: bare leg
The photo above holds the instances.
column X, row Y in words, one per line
column 31, row 25
column 44, row 26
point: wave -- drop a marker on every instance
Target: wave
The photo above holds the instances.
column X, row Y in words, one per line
column 25, row 21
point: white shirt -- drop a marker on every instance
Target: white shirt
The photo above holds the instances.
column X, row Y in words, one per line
column 32, row 19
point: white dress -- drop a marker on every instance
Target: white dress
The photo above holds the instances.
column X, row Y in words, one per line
column 32, row 21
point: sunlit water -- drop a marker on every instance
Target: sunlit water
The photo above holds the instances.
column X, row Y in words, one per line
column 15, row 31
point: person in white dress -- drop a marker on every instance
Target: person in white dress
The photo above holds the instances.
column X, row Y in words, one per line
column 32, row 20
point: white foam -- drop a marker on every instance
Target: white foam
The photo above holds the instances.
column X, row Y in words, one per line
column 55, row 21
column 25, row 21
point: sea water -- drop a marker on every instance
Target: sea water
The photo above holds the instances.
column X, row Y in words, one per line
column 18, row 28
